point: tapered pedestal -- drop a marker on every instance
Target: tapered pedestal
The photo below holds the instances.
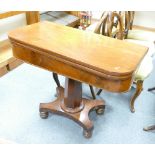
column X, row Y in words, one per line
column 70, row 104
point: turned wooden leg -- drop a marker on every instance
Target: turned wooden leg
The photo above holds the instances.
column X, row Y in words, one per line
column 70, row 104
column 139, row 88
column 55, row 77
column 149, row 128
column 99, row 92
column 151, row 89
column 92, row 92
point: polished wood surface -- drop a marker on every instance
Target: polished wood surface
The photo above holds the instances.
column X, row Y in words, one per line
column 77, row 111
column 81, row 47
column 70, row 52
column 71, row 70
column 122, row 21
column 97, row 60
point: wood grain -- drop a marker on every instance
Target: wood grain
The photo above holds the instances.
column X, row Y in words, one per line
column 114, row 57
column 82, row 57
column 32, row 17
column 87, row 57
column 76, row 72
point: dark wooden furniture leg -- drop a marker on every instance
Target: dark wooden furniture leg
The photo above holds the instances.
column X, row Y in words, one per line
column 70, row 104
column 151, row 89
column 92, row 92
column 139, row 88
column 149, row 128
column 99, row 92
column 55, row 77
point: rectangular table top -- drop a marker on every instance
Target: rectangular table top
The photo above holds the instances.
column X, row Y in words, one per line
column 97, row 52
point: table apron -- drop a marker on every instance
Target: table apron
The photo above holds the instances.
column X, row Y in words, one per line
column 74, row 72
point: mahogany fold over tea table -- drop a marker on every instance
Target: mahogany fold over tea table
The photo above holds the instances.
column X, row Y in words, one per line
column 82, row 57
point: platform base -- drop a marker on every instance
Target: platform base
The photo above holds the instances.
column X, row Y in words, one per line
column 79, row 116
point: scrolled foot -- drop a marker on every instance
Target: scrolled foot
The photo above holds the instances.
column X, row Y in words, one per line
column 87, row 134
column 100, row 110
column 132, row 109
column 43, row 115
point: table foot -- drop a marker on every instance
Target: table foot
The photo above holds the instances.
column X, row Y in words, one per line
column 79, row 116
column 132, row 109
column 100, row 110
column 87, row 134
column 43, row 115
column 149, row 128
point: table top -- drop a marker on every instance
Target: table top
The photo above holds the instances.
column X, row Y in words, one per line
column 97, row 52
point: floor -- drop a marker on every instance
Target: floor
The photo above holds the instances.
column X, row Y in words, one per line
column 24, row 88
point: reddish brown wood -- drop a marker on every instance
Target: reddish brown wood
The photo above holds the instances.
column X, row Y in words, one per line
column 139, row 88
column 77, row 47
column 72, row 96
column 70, row 52
column 71, row 105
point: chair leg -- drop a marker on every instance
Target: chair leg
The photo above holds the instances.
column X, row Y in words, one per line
column 150, row 89
column 55, row 77
column 92, row 92
column 139, row 88
column 99, row 92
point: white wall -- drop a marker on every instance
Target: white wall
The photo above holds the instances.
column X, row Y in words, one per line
column 97, row 14
column 145, row 18
column 10, row 23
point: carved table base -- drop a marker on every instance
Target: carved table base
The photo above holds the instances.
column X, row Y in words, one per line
column 78, row 112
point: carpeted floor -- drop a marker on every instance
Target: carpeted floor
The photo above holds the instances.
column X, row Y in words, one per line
column 24, row 88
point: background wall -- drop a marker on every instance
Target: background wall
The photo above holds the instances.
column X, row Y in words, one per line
column 145, row 18
column 10, row 23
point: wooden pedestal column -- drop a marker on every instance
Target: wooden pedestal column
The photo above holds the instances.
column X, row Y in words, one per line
column 70, row 104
